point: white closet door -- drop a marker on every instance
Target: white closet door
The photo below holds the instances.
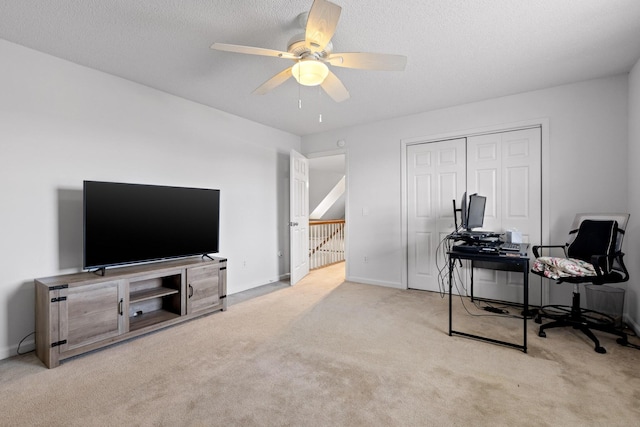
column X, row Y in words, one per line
column 506, row 168
column 435, row 177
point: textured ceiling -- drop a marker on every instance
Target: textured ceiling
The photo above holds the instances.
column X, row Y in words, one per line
column 458, row 50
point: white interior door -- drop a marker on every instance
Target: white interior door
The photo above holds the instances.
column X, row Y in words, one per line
column 435, row 177
column 299, row 216
column 506, row 168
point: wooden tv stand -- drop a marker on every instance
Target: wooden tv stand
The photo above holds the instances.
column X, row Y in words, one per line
column 78, row 313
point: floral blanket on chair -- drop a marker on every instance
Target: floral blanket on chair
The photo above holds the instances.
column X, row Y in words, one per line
column 555, row 268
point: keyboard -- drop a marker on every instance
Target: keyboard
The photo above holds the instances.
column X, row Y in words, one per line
column 510, row 247
column 514, row 249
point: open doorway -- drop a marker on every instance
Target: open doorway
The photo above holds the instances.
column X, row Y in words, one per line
column 327, row 207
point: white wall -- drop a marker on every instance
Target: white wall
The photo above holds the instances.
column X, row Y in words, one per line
column 632, row 242
column 324, row 174
column 61, row 123
column 587, row 165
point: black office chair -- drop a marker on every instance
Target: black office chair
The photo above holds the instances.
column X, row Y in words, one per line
column 593, row 255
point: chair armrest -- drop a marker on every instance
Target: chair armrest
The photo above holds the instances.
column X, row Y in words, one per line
column 615, row 257
column 537, row 248
column 596, row 261
column 625, row 273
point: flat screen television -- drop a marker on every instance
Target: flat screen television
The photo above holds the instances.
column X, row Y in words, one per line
column 132, row 223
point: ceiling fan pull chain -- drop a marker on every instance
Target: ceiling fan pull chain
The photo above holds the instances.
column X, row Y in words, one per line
column 319, row 103
column 299, row 99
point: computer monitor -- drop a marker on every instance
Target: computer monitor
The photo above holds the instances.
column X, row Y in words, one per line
column 475, row 215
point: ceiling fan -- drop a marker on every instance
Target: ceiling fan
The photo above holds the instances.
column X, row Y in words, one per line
column 313, row 50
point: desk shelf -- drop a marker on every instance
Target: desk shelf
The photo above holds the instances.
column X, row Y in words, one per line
column 493, row 262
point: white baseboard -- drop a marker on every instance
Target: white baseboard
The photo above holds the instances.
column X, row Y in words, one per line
column 25, row 347
column 366, row 281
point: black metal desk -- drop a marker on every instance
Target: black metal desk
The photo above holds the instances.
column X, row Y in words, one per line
column 493, row 262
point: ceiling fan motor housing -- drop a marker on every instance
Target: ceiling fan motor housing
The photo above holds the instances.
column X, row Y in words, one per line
column 297, row 46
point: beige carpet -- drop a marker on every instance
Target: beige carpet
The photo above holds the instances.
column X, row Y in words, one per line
column 325, row 353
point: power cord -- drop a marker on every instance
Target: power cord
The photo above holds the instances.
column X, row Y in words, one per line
column 20, row 343
column 458, row 282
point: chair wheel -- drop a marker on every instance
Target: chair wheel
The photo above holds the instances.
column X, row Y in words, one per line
column 538, row 320
column 542, row 334
column 601, row 350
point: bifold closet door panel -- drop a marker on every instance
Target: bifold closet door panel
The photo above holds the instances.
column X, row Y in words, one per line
column 435, row 177
column 506, row 168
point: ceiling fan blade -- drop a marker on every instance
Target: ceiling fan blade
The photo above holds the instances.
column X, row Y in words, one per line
column 274, row 82
column 334, row 88
column 252, row 50
column 321, row 24
column 368, row 61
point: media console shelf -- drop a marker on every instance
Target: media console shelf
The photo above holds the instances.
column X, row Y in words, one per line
column 155, row 300
column 78, row 313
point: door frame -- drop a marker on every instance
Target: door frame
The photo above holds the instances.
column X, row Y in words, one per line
column 543, row 123
column 345, row 152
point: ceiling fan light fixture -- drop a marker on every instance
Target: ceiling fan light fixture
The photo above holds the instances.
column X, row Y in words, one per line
column 310, row 72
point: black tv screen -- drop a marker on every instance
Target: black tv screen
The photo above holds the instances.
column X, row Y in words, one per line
column 129, row 223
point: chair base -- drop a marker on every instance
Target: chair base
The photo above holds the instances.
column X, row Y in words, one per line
column 582, row 319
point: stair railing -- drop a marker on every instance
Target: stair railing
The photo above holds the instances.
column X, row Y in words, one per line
column 326, row 242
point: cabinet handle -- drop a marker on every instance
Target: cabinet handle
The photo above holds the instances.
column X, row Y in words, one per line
column 190, row 291
column 120, row 304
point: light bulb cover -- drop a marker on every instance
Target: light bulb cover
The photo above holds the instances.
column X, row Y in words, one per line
column 310, row 72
